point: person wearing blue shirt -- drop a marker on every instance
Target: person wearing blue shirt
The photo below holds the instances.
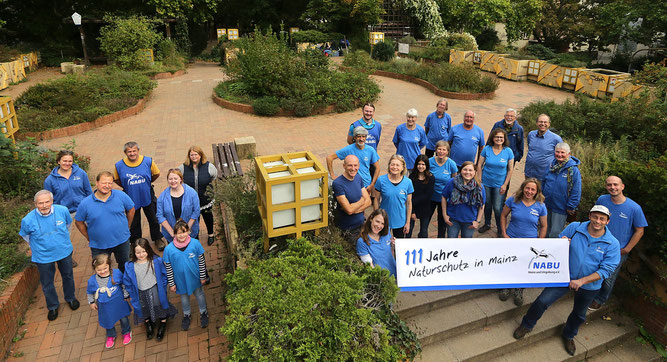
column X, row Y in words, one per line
column 463, row 200
column 104, row 219
column 443, row 169
column 495, row 165
column 514, row 133
column 562, row 189
column 466, row 140
column 437, row 126
column 366, row 155
column 46, row 229
column 352, row 199
column 68, row 182
column 178, row 201
column 594, row 254
column 393, row 193
column 375, row 245
column 626, row 223
column 529, row 220
column 541, row 145
column 373, row 127
column 409, row 138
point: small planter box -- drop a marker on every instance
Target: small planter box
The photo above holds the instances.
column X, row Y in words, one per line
column 558, row 77
column 512, row 69
column 599, row 83
column 489, row 61
column 460, row 56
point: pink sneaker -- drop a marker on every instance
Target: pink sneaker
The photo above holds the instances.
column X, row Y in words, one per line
column 127, row 338
column 110, row 342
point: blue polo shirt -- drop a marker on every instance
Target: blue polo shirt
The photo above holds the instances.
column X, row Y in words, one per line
column 374, row 131
column 380, row 252
column 48, row 235
column 409, row 143
column 106, row 221
column 624, row 218
column 540, row 153
column 367, row 157
column 465, row 143
column 394, row 198
column 524, row 220
column 352, row 192
column 442, row 175
column 461, row 212
column 438, row 129
column 495, row 166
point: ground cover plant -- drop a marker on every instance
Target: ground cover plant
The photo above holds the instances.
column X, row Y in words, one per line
column 439, row 48
column 267, row 73
column 79, row 98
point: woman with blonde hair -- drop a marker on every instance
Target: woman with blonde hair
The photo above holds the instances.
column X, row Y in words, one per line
column 393, row 193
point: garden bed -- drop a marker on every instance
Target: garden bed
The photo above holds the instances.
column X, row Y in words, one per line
column 247, row 108
column 437, row 91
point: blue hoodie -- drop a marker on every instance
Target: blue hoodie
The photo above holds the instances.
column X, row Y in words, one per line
column 190, row 209
column 131, row 285
column 589, row 255
column 68, row 192
column 555, row 187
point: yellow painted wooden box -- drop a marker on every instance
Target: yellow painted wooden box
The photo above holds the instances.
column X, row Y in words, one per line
column 477, row 56
column 221, row 32
column 375, row 37
column 293, row 30
column 557, row 76
column 624, row 88
column 292, row 194
column 513, row 69
column 232, row 34
column 598, row 82
column 148, row 55
column 9, row 124
column 489, row 61
column 460, row 56
column 533, row 71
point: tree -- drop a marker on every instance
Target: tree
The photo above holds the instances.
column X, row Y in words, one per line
column 124, row 39
column 426, row 12
column 197, row 11
column 343, row 16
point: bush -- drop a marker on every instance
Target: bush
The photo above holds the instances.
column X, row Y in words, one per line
column 77, row 98
column 383, row 51
column 571, row 60
column 407, row 40
column 654, row 75
column 266, row 106
column 487, row 39
column 540, row 51
column 315, row 36
column 123, row 39
column 359, row 59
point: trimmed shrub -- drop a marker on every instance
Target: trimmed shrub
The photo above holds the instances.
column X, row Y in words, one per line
column 383, row 51
column 266, row 106
column 315, row 36
column 540, row 51
column 123, row 39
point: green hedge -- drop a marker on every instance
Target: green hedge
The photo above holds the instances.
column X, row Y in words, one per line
column 77, row 98
column 315, row 36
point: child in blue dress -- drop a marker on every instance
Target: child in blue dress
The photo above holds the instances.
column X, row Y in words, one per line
column 106, row 295
column 145, row 279
column 186, row 271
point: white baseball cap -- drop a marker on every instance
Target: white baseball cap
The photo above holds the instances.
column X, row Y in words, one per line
column 601, row 209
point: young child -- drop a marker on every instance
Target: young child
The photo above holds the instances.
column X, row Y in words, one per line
column 186, row 271
column 145, row 279
column 106, row 295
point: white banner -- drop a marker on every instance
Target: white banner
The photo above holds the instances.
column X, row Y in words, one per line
column 440, row 264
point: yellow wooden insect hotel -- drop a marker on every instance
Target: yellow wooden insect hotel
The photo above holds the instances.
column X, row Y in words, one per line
column 9, row 124
column 533, row 71
column 221, row 32
column 293, row 30
column 457, row 56
column 376, row 37
column 232, row 34
column 598, row 82
column 148, row 55
column 292, row 194
column 489, row 61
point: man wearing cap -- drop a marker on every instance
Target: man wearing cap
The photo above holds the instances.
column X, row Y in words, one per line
column 594, row 255
column 352, row 198
column 626, row 223
column 366, row 155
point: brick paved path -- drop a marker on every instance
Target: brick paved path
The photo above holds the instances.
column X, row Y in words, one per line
column 181, row 113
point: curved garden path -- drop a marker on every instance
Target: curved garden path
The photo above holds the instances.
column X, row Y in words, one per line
column 181, row 113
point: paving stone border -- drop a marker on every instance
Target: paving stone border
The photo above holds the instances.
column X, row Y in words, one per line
column 14, row 302
column 167, row 75
column 246, row 108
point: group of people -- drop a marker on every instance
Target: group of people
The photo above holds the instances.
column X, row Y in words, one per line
column 110, row 220
column 453, row 170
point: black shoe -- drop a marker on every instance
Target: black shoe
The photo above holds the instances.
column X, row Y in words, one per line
column 569, row 346
column 211, row 240
column 518, row 297
column 504, row 294
column 203, row 318
column 484, row 229
column 149, row 329
column 74, row 264
column 160, row 244
column 594, row 306
column 161, row 327
column 74, row 305
column 185, row 324
column 53, row 314
column 520, row 332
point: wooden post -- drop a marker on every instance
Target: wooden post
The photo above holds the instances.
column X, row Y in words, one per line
column 83, row 45
column 168, row 29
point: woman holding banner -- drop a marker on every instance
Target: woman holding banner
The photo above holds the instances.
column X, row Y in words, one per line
column 463, row 201
column 375, row 245
column 529, row 220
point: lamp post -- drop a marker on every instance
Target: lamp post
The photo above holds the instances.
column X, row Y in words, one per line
column 76, row 18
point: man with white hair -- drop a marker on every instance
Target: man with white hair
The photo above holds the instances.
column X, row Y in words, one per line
column 466, row 140
column 561, row 189
column 514, row 133
column 437, row 126
column 366, row 155
column 541, row 144
column 46, row 229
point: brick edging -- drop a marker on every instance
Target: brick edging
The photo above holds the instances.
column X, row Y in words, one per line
column 14, row 303
column 167, row 75
column 87, row 126
column 246, row 108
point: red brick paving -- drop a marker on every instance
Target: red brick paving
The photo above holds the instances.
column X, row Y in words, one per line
column 179, row 114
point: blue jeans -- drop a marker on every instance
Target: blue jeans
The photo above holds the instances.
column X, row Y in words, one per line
column 124, row 328
column 442, row 226
column 463, row 227
column 582, row 299
column 423, row 227
column 608, row 284
column 494, row 202
column 47, row 272
column 201, row 301
column 555, row 223
column 121, row 252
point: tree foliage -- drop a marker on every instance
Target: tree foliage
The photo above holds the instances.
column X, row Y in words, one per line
column 343, row 16
column 123, row 39
column 427, row 14
column 197, row 11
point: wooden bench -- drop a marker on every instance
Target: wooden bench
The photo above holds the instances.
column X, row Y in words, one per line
column 226, row 160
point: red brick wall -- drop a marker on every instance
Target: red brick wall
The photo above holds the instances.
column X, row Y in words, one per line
column 653, row 316
column 14, row 303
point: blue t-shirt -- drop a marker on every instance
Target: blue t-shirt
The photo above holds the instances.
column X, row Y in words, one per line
column 540, row 153
column 461, row 212
column 49, row 235
column 524, row 219
column 495, row 166
column 465, row 143
column 442, row 175
column 185, row 265
column 438, row 129
column 106, row 221
column 367, row 157
column 352, row 192
column 624, row 218
column 380, row 252
column 374, row 131
column 409, row 143
column 394, row 198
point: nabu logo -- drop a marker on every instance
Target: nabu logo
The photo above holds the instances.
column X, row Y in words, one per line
column 543, row 260
column 134, row 179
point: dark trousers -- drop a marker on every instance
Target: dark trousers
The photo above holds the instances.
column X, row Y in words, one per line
column 442, row 226
column 429, row 153
column 582, row 299
column 207, row 215
column 121, row 252
column 151, row 215
column 398, row 233
column 47, row 272
column 423, row 227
